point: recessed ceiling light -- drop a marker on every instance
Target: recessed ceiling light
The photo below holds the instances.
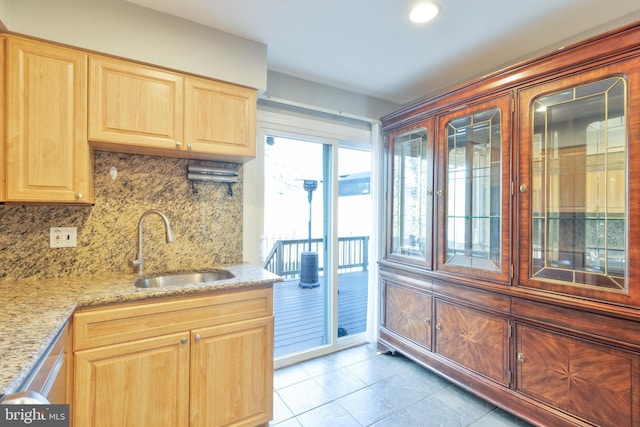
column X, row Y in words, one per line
column 424, row 12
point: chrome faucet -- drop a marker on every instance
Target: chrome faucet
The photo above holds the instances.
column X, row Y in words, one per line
column 138, row 262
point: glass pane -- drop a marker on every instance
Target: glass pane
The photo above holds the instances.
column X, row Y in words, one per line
column 578, row 185
column 355, row 222
column 295, row 208
column 409, row 217
column 474, row 191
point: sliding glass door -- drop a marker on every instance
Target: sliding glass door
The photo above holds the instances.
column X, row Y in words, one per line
column 296, row 225
column 309, row 217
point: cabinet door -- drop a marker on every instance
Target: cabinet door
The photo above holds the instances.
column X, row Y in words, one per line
column 477, row 340
column 578, row 209
column 140, row 383
column 48, row 157
column 474, row 191
column 232, row 374
column 219, row 118
column 593, row 382
column 135, row 105
column 3, row 176
column 409, row 174
column 408, row 313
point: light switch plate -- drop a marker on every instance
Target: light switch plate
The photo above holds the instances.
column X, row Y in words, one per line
column 63, row 237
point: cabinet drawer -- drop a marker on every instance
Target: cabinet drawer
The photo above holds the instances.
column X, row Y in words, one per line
column 107, row 325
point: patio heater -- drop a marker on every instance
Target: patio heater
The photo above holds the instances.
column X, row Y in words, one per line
column 308, row 258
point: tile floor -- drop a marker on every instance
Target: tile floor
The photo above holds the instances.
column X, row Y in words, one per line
column 357, row 387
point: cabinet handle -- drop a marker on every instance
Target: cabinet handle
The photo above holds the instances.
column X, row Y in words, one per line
column 429, row 193
column 198, row 337
column 438, row 326
column 178, row 144
column 427, row 322
column 523, row 188
column 440, row 193
column 520, row 357
column 189, row 146
column 79, row 196
column 184, row 340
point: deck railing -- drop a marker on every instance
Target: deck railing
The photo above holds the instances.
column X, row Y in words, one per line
column 284, row 257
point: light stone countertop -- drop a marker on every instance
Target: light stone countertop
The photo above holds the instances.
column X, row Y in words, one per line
column 35, row 310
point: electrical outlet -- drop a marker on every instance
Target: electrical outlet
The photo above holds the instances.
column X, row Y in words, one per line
column 63, row 237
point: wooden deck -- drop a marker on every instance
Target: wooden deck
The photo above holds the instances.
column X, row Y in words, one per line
column 299, row 312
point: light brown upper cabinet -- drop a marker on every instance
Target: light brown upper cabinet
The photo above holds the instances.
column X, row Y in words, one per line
column 47, row 155
column 219, row 118
column 146, row 110
column 3, row 176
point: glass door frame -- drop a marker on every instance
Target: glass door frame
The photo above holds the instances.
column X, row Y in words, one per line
column 317, row 130
column 631, row 295
column 503, row 103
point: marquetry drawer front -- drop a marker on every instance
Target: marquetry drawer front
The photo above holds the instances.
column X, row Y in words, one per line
column 107, row 325
column 408, row 313
column 475, row 339
column 594, row 382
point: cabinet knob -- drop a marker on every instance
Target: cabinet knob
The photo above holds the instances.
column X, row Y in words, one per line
column 427, row 322
column 438, row 326
column 440, row 193
column 79, row 196
column 520, row 357
column 184, row 340
column 429, row 193
column 178, row 144
column 189, row 146
column 197, row 337
column 523, row 188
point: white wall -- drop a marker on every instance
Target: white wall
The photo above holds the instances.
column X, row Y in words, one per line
column 123, row 29
column 307, row 93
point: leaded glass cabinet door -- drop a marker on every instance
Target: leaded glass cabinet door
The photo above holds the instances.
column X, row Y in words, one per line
column 410, row 195
column 576, row 197
column 473, row 191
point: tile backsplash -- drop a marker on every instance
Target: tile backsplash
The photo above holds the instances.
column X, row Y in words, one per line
column 206, row 221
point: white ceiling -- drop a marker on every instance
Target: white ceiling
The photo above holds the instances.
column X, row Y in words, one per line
column 370, row 47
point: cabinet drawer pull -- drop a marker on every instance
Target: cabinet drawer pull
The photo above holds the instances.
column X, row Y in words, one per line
column 184, row 340
column 438, row 326
column 520, row 357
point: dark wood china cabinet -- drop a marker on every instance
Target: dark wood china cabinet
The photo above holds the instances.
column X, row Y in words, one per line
column 512, row 244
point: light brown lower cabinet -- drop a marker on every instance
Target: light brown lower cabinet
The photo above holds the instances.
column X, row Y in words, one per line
column 213, row 365
column 144, row 382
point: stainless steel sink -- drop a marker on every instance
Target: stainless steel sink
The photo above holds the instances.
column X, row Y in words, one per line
column 181, row 278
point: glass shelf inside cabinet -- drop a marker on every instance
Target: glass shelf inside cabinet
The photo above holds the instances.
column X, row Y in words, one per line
column 410, row 233
column 578, row 186
column 474, row 191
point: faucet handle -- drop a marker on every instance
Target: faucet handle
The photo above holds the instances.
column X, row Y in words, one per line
column 136, row 261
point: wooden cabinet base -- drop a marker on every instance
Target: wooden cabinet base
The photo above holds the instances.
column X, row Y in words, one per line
column 522, row 406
